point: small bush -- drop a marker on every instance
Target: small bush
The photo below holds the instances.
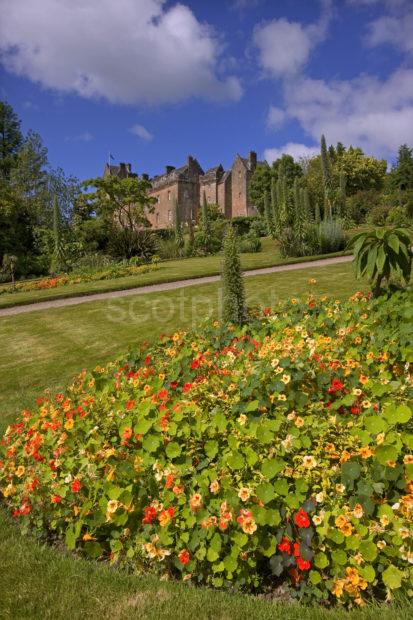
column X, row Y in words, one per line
column 250, row 243
column 167, row 249
column 398, row 216
column 331, row 237
column 378, row 215
column 242, row 224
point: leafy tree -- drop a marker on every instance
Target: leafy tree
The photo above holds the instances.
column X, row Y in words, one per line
column 9, row 266
column 234, row 309
column 306, row 205
column 122, row 204
column 402, row 172
column 58, row 263
column 299, row 216
column 268, row 214
column 290, row 168
column 382, row 254
column 64, row 188
column 341, row 201
column 259, row 184
column 362, row 172
column 11, row 138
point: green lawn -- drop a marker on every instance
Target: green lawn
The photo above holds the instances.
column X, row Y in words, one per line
column 44, row 349
column 168, row 271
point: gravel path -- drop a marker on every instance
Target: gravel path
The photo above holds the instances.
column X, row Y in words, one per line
column 167, row 286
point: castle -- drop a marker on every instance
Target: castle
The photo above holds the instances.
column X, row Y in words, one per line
column 187, row 185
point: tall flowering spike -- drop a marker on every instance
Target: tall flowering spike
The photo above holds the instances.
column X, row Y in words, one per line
column 234, row 310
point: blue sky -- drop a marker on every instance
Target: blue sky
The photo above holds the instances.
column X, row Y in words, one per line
column 152, row 81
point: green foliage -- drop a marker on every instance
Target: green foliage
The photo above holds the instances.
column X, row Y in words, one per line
column 9, row 266
column 202, row 457
column 268, row 214
column 11, row 139
column 260, row 184
column 327, row 180
column 330, row 237
column 179, row 236
column 58, row 263
column 206, row 226
column 401, row 176
column 233, row 304
column 381, row 255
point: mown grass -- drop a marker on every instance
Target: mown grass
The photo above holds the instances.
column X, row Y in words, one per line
column 45, row 349
column 167, row 271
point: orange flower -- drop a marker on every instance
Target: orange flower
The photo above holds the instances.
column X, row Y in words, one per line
column 196, row 501
column 366, row 452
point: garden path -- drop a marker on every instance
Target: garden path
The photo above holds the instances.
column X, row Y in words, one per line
column 167, row 286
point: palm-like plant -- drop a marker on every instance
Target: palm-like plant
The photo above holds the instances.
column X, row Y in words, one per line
column 382, row 254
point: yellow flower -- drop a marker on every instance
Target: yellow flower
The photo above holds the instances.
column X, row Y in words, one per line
column 356, row 391
column 408, row 459
column 366, row 452
column 214, row 486
column 20, row 471
column 309, row 462
column 340, row 488
column 282, row 397
column 358, row 511
column 248, row 525
column 338, row 588
column 112, row 506
column 244, row 493
column 312, row 281
column 69, row 424
column 340, row 521
column 381, row 544
column 380, row 438
column 286, row 379
column 363, row 379
column 384, row 520
column 242, row 419
column 88, row 536
column 370, row 355
column 299, row 422
column 366, row 404
column 317, row 520
column 196, row 501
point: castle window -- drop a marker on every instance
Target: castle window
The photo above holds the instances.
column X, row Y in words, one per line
column 169, row 215
column 169, row 195
column 186, row 193
column 157, row 218
column 158, row 199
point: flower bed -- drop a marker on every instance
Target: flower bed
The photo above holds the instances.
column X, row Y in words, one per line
column 278, row 455
column 111, row 272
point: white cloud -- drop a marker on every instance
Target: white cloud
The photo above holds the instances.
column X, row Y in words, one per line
column 82, row 137
column 126, row 52
column 368, row 112
column 396, row 31
column 294, row 149
column 141, row 132
column 284, row 46
column 276, row 117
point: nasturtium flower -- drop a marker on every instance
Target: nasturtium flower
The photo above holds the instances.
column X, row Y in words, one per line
column 301, row 519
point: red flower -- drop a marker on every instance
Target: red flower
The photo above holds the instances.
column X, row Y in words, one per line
column 303, row 564
column 25, row 509
column 127, row 433
column 296, row 549
column 284, row 546
column 187, row 387
column 195, row 364
column 56, row 499
column 129, row 405
column 150, row 514
column 184, row 556
column 336, row 386
column 147, row 360
column 301, row 518
column 355, row 409
column 76, row 485
column 169, row 483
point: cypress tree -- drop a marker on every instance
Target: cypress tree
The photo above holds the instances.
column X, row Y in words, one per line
column 275, row 206
column 298, row 217
column 317, row 213
column 58, row 258
column 280, row 204
column 205, row 225
column 306, row 206
column 342, row 195
column 191, row 238
column 179, row 237
column 268, row 214
column 327, row 178
column 233, row 310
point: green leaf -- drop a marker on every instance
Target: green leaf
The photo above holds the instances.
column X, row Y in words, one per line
column 216, row 542
column 151, row 443
column 265, row 492
column 212, row 555
column 368, row 550
column 392, row 577
column 314, row 577
column 271, row 467
column 173, row 450
column 386, row 453
column 236, row 461
column 321, row 560
column 93, row 549
column 142, row 426
column 240, row 539
column 70, row 538
column 230, row 563
column 281, row 487
column 368, row 573
column 252, row 406
column 350, row 471
column 211, row 448
column 375, row 424
column 339, row 557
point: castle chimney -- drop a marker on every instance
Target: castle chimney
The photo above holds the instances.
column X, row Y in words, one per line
column 122, row 169
column 190, row 160
column 252, row 160
column 169, row 169
column 145, row 176
column 129, row 168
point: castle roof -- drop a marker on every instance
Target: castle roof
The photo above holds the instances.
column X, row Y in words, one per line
column 213, row 174
column 184, row 173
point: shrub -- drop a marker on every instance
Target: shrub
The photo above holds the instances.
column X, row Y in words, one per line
column 380, row 255
column 167, row 249
column 243, row 223
column 250, row 243
column 397, row 216
column 253, row 458
column 331, row 237
column 378, row 215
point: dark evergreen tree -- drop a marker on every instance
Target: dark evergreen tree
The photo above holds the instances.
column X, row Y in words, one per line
column 327, row 179
column 11, row 139
column 58, row 263
column 179, row 237
column 234, row 309
column 275, row 207
column 402, row 172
